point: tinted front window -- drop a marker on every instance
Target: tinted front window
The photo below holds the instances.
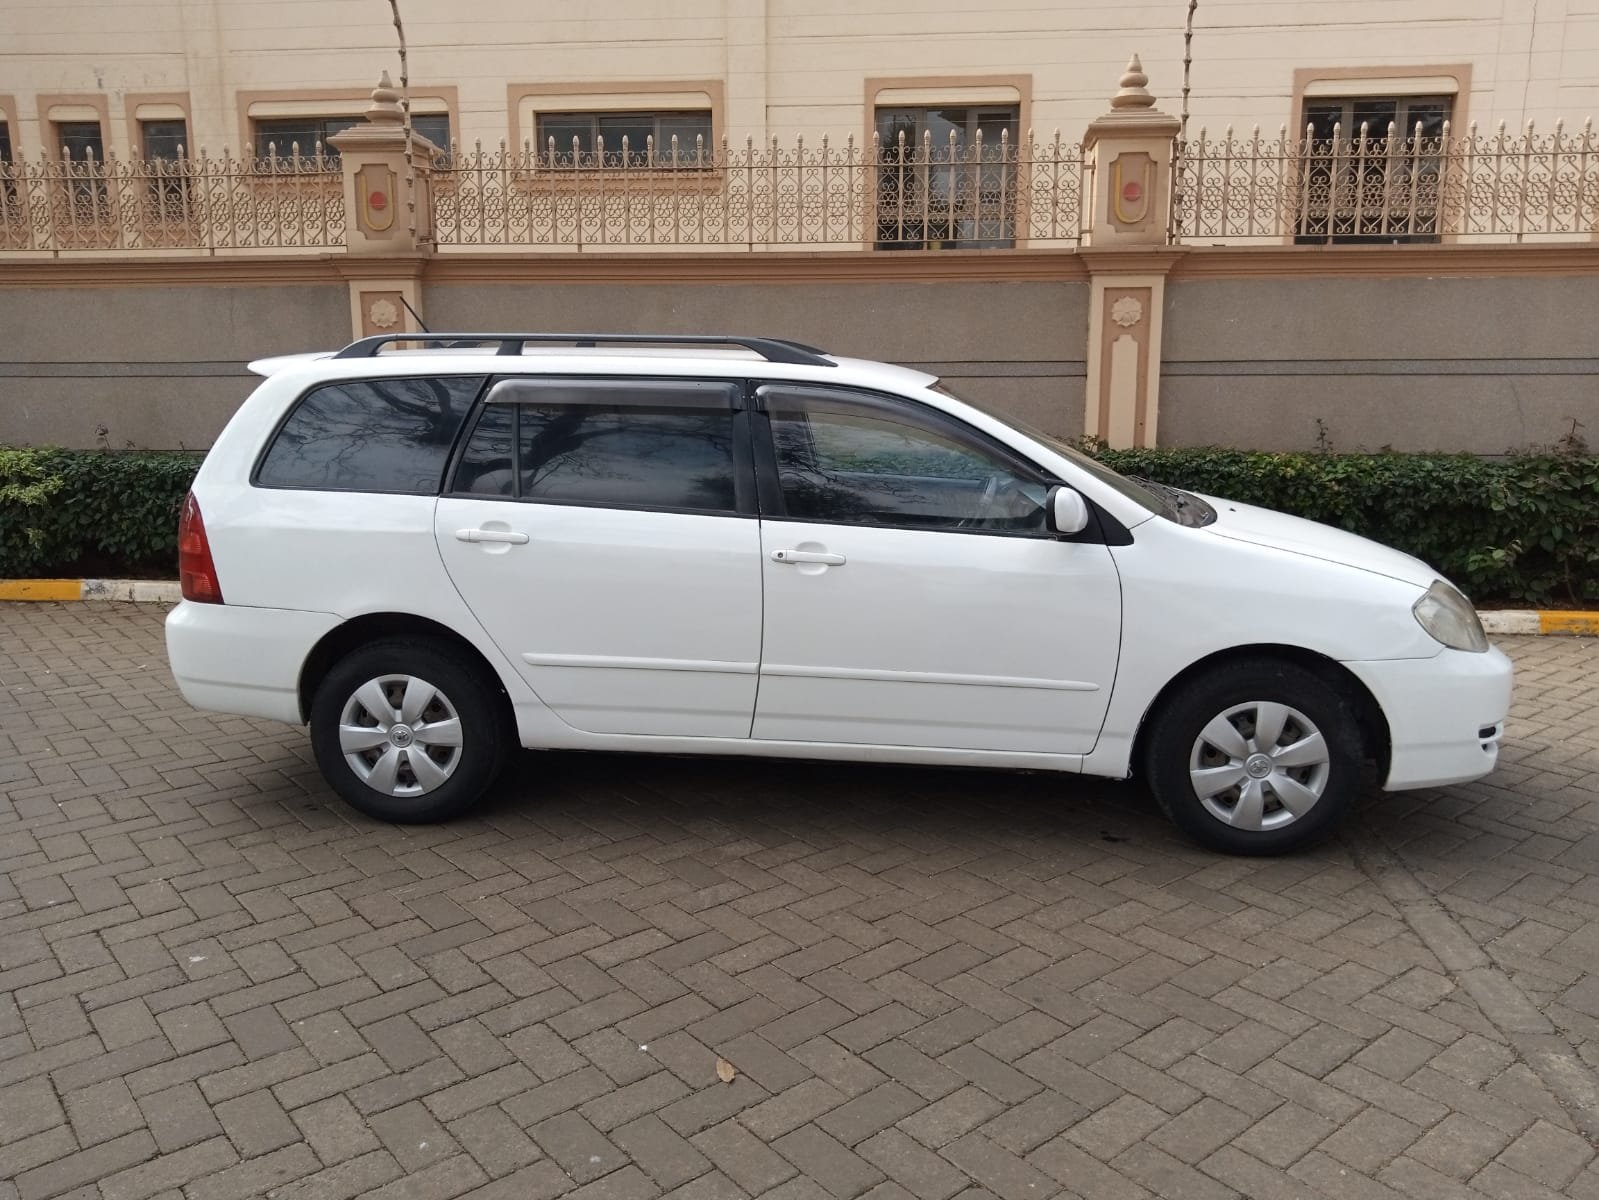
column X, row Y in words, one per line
column 380, row 435
column 878, row 468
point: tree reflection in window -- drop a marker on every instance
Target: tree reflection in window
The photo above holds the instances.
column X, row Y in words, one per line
column 660, row 457
column 669, row 457
column 382, row 435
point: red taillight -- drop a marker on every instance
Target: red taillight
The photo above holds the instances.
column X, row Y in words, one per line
column 196, row 572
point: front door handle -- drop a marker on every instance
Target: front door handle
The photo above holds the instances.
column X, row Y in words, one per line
column 794, row 557
column 491, row 535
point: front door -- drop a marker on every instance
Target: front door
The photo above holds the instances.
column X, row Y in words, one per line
column 914, row 596
column 604, row 534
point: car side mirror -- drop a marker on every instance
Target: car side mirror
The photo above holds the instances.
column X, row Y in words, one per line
column 1068, row 511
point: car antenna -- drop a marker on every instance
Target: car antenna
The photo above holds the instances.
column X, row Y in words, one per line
column 414, row 315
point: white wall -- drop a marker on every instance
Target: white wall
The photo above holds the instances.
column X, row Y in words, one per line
column 789, row 67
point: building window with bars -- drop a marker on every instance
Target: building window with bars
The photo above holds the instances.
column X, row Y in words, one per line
column 285, row 137
column 1371, row 169
column 163, row 145
column 81, row 146
column 659, row 140
column 9, row 211
column 946, row 177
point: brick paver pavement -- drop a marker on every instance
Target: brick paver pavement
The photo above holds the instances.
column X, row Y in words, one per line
column 216, row 981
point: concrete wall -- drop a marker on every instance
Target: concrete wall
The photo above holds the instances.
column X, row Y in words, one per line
column 1016, row 345
column 1470, row 362
column 147, row 367
column 1477, row 364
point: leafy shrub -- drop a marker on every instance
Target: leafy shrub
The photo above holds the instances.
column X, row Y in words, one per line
column 91, row 512
column 1522, row 529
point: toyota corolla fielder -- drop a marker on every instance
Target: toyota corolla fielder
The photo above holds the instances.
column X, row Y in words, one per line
column 747, row 546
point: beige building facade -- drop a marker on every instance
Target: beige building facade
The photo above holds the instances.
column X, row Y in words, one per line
column 996, row 195
column 134, row 79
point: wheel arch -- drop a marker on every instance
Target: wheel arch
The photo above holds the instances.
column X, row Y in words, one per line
column 370, row 627
column 1374, row 733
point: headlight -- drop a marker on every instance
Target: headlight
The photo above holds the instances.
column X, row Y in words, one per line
column 1449, row 618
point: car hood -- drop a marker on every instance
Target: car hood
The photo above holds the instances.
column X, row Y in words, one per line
column 1264, row 527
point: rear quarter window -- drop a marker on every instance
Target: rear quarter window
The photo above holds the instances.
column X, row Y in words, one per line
column 375, row 435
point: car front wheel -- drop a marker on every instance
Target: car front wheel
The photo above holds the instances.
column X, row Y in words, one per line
column 1256, row 757
column 404, row 732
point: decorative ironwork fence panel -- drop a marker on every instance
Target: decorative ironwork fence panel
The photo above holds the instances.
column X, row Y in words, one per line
column 1380, row 186
column 763, row 195
column 1387, row 186
column 203, row 203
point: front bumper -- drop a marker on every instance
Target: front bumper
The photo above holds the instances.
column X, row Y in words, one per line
column 235, row 659
column 1445, row 715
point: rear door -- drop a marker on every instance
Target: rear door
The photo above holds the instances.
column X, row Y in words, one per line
column 604, row 532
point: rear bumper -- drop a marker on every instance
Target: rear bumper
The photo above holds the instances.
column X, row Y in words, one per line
column 234, row 659
column 1445, row 715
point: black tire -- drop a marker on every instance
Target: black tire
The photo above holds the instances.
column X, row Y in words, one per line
column 464, row 691
column 1173, row 748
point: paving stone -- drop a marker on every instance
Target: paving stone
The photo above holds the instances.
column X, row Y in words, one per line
column 179, row 1116
column 337, row 1132
column 827, row 1162
column 1549, row 1154
column 28, row 1107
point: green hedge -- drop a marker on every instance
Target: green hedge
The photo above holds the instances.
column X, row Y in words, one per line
column 91, row 512
column 1521, row 529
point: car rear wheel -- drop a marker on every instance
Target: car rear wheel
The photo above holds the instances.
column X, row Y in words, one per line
column 1257, row 757
column 405, row 732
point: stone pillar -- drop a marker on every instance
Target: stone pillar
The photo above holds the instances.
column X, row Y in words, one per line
column 1129, row 152
column 387, row 225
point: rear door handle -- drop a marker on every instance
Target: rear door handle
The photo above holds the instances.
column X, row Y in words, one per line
column 808, row 556
column 491, row 535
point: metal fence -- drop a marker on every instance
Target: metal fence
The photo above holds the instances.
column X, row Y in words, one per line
column 199, row 204
column 1375, row 187
column 884, row 195
column 1387, row 186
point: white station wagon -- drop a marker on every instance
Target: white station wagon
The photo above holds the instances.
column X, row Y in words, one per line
column 718, row 545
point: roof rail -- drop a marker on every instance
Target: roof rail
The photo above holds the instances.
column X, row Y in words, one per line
column 775, row 350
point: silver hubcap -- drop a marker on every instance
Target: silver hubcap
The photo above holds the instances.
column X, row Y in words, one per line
column 400, row 735
column 1259, row 765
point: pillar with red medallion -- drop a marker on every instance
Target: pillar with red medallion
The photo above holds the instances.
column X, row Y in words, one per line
column 1126, row 250
column 387, row 216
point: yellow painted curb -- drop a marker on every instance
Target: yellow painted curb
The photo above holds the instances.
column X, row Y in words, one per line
column 41, row 589
column 1569, row 622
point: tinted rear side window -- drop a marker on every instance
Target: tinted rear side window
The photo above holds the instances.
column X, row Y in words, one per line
column 377, row 435
column 634, row 443
column 656, row 457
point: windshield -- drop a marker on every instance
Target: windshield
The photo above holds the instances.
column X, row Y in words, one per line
column 1143, row 496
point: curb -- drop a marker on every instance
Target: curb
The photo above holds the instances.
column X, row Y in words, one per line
column 1549, row 621
column 143, row 591
column 1504, row 621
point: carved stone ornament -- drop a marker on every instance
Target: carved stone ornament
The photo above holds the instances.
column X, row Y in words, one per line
column 1127, row 312
column 383, row 314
